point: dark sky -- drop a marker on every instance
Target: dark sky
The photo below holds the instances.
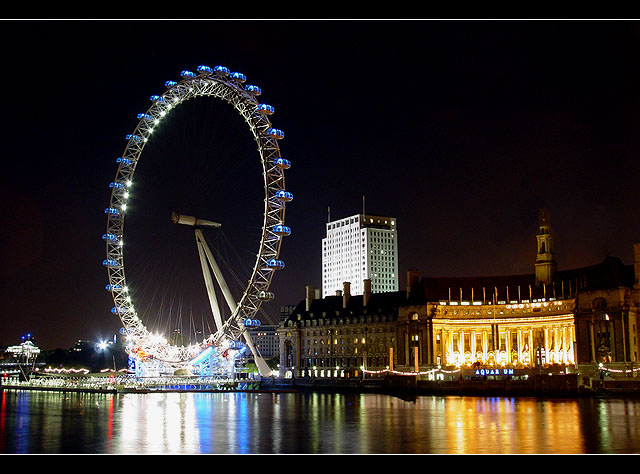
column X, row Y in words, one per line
column 461, row 130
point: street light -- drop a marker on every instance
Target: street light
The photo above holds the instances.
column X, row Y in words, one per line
column 103, row 346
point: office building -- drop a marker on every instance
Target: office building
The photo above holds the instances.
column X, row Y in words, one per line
column 357, row 248
column 265, row 339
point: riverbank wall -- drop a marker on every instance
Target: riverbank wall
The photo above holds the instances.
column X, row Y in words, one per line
column 566, row 385
column 556, row 385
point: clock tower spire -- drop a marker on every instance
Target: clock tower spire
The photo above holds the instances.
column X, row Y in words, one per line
column 545, row 258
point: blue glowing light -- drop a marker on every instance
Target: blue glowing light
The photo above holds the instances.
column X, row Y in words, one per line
column 252, row 323
column 222, row 70
column 275, row 133
column 266, row 109
column 126, row 161
column 281, row 230
column 204, row 69
column 255, row 90
column 109, row 262
column 187, row 74
column 238, row 76
column 237, row 345
column 284, row 196
column 282, row 163
column 169, row 83
column 483, row 372
column 112, row 211
column 156, row 98
column 111, row 237
column 275, row 264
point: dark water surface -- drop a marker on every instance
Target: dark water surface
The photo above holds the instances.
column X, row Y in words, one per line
column 265, row 423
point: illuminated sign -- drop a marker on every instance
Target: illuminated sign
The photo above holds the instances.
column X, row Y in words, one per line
column 494, row 372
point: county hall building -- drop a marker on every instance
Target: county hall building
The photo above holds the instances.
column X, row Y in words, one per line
column 562, row 320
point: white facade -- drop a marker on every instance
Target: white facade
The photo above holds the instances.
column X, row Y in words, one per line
column 360, row 247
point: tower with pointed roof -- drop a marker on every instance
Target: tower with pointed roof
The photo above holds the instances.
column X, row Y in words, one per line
column 545, row 257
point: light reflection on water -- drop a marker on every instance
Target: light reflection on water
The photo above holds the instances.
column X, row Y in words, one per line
column 248, row 423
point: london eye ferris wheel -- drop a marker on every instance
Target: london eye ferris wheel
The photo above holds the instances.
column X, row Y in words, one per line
column 214, row 352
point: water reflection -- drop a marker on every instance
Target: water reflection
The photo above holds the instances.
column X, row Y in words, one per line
column 51, row 422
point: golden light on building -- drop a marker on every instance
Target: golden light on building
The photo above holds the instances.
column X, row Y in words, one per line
column 562, row 320
column 510, row 335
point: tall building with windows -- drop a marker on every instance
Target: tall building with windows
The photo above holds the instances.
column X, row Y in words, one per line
column 358, row 248
column 265, row 338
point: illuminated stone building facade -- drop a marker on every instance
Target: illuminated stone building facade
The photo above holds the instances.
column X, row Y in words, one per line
column 571, row 320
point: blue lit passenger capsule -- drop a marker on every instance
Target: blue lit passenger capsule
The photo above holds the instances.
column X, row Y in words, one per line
column 266, row 109
column 110, row 237
column 284, row 196
column 204, row 70
column 116, row 185
column 275, row 133
column 251, row 322
column 238, row 76
column 156, row 98
column 221, row 70
column 109, row 262
column 112, row 211
column 169, row 83
column 274, row 264
column 237, row 345
column 112, row 287
column 282, row 163
column 281, row 230
column 146, row 117
column 186, row 74
column 253, row 90
column 266, row 296
column 135, row 138
column 126, row 161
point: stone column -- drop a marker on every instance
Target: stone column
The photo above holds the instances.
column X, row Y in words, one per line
column 520, row 345
column 532, row 349
column 547, row 348
column 485, row 342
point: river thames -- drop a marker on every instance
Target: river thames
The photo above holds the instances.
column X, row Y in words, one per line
column 34, row 422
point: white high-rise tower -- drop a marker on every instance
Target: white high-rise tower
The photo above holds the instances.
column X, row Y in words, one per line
column 360, row 247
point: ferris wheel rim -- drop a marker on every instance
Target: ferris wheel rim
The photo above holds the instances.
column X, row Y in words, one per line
column 220, row 83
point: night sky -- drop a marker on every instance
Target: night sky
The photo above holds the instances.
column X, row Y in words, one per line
column 462, row 130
